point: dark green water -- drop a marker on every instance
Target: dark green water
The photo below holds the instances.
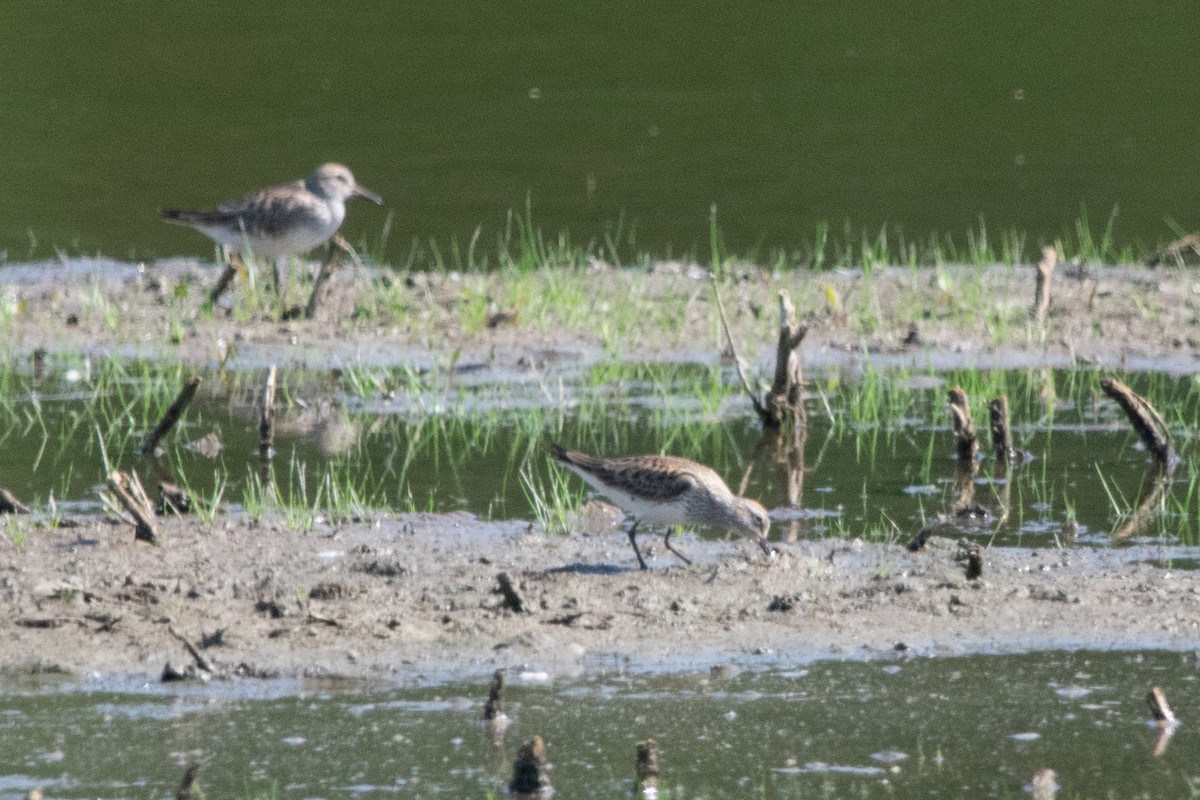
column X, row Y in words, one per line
column 961, row 727
column 878, row 459
column 923, row 116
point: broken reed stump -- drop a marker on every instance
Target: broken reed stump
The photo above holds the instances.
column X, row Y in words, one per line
column 1001, row 433
column 187, row 786
column 1176, row 250
column 783, row 403
column 172, row 416
column 337, row 244
column 9, row 504
column 966, row 443
column 266, row 423
column 974, row 568
column 172, row 499
column 1045, row 269
column 647, row 769
column 127, row 488
column 510, row 589
column 1144, row 418
column 494, row 707
column 1044, row 784
column 529, row 771
column 233, row 264
column 1162, row 713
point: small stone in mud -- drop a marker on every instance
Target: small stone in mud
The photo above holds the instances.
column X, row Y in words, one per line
column 783, row 602
column 327, row 591
column 272, row 608
column 214, row 639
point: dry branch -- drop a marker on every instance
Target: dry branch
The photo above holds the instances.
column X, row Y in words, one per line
column 529, row 770
column 1143, row 417
column 173, row 499
column 9, row 504
column 965, row 442
column 495, row 703
column 510, row 588
column 1162, row 713
column 783, row 402
column 172, row 416
column 337, row 244
column 127, row 488
column 1176, row 250
column 1001, row 432
column 647, row 769
column 1045, row 269
column 266, row 424
column 201, row 662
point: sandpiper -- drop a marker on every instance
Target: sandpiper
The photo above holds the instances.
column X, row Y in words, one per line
column 280, row 221
column 670, row 491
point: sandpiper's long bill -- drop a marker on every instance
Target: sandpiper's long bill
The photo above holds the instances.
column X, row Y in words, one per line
column 280, row 221
column 668, row 490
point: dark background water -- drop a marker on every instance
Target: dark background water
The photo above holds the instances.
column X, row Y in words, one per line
column 924, row 116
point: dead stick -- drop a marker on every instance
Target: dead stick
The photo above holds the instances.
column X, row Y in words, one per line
column 266, row 424
column 227, row 276
column 187, row 786
column 172, row 416
column 338, row 242
column 495, row 703
column 1146, row 421
column 9, row 504
column 1001, row 433
column 1162, row 713
column 529, row 769
column 737, row 362
column 122, row 486
column 511, row 589
column 1045, row 269
column 201, row 662
column 966, row 443
column 784, row 401
column 647, row 769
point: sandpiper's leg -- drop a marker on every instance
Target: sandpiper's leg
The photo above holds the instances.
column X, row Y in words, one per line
column 667, row 542
column 633, row 541
column 327, row 267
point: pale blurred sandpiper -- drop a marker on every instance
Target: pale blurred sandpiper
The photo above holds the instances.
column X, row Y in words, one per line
column 668, row 490
column 280, row 221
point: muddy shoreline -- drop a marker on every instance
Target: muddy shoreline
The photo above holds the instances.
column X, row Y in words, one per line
column 411, row 596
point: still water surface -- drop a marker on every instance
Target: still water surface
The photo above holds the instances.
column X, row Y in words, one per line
column 956, row 727
column 630, row 119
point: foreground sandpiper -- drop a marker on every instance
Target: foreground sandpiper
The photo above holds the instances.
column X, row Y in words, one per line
column 280, row 221
column 669, row 491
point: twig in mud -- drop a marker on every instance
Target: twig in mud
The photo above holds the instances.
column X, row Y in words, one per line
column 737, row 361
column 9, row 504
column 173, row 499
column 965, row 441
column 1001, row 432
column 494, row 707
column 337, row 244
column 783, row 403
column 1045, row 269
column 201, row 662
column 127, row 488
column 529, row 771
column 266, row 423
column 1144, row 418
column 1175, row 250
column 223, row 282
column 187, row 787
column 510, row 588
column 647, row 769
column 172, row 416
column 1159, row 709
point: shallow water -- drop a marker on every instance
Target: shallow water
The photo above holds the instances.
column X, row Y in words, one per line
column 947, row 727
column 630, row 120
column 877, row 460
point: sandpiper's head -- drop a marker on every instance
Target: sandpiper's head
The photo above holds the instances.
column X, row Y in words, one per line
column 752, row 518
column 336, row 182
